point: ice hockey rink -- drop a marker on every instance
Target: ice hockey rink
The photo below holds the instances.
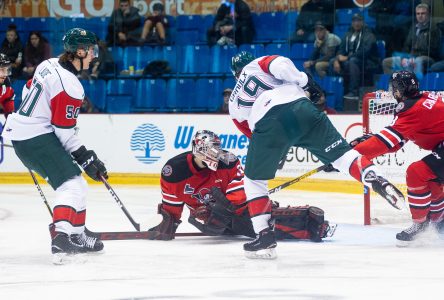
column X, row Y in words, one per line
column 358, row 262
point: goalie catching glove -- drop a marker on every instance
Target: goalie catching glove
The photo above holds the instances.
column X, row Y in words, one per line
column 216, row 217
column 166, row 229
column 89, row 162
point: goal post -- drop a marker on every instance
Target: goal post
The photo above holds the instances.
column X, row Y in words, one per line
column 378, row 110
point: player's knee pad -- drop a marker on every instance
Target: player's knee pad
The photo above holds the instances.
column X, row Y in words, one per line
column 73, row 193
column 255, row 188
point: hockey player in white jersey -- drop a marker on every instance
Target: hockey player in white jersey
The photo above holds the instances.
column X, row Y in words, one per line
column 43, row 134
column 269, row 104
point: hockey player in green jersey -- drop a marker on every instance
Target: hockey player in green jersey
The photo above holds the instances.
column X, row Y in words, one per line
column 269, row 104
column 43, row 134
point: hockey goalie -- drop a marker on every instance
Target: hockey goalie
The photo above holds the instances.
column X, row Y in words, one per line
column 209, row 181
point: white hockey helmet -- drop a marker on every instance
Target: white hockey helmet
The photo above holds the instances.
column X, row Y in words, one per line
column 207, row 147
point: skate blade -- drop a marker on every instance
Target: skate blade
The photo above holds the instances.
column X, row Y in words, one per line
column 403, row 244
column 65, row 259
column 394, row 198
column 262, row 254
column 332, row 230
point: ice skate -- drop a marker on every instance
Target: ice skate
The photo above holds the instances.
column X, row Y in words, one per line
column 387, row 190
column 90, row 243
column 64, row 248
column 407, row 236
column 263, row 246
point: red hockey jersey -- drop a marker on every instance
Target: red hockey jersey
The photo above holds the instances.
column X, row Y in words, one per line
column 419, row 120
column 183, row 182
column 7, row 96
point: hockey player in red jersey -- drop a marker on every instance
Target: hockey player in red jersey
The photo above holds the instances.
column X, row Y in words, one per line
column 210, row 182
column 419, row 119
column 7, row 94
column 43, row 133
column 269, row 104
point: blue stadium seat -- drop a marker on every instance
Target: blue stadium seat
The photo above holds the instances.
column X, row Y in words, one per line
column 179, row 94
column 257, row 50
column 383, row 82
column 187, row 29
column 136, row 57
column 229, row 83
column 334, row 89
column 66, row 23
column 278, row 49
column 432, row 82
column 381, row 48
column 292, row 16
column 18, row 22
column 117, row 53
column 344, row 16
column 121, row 87
column 301, row 51
column 221, row 59
column 208, row 95
column 17, row 85
column 95, row 90
column 271, row 26
column 170, row 54
column 193, row 59
column 40, row 24
column 98, row 25
column 151, row 95
column 118, row 104
column 207, row 22
column 341, row 29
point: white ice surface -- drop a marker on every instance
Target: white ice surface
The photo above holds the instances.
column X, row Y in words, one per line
column 357, row 263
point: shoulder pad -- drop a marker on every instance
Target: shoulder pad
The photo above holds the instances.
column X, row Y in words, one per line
column 406, row 105
column 176, row 169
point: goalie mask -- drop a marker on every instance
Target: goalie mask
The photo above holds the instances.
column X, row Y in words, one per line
column 206, row 147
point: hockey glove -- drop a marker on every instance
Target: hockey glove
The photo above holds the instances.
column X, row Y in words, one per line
column 166, row 229
column 221, row 205
column 314, row 89
column 329, row 168
column 360, row 139
column 89, row 162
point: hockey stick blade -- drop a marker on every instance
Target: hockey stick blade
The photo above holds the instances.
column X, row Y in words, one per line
column 136, row 235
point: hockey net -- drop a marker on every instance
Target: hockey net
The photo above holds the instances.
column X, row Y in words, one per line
column 378, row 112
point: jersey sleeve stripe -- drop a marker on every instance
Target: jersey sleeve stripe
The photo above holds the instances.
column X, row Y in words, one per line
column 418, row 196
column 172, row 203
column 168, row 195
column 265, row 63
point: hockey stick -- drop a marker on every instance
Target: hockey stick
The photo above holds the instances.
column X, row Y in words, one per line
column 297, row 179
column 119, row 202
column 37, row 185
column 136, row 235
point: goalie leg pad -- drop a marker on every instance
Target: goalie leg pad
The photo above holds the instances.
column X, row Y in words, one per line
column 291, row 222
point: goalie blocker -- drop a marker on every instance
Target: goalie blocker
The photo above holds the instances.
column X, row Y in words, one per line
column 219, row 218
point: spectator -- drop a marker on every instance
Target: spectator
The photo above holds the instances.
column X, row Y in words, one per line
column 357, row 55
column 421, row 47
column 393, row 18
column 224, row 107
column 155, row 26
column 311, row 12
column 325, row 47
column 124, row 28
column 104, row 65
column 13, row 48
column 244, row 29
column 37, row 49
column 222, row 31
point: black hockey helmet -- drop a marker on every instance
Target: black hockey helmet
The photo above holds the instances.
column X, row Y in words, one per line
column 406, row 83
column 239, row 61
column 5, row 65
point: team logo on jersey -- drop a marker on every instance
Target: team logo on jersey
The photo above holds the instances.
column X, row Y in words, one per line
column 203, row 196
column 167, row 170
column 188, row 190
column 147, row 141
